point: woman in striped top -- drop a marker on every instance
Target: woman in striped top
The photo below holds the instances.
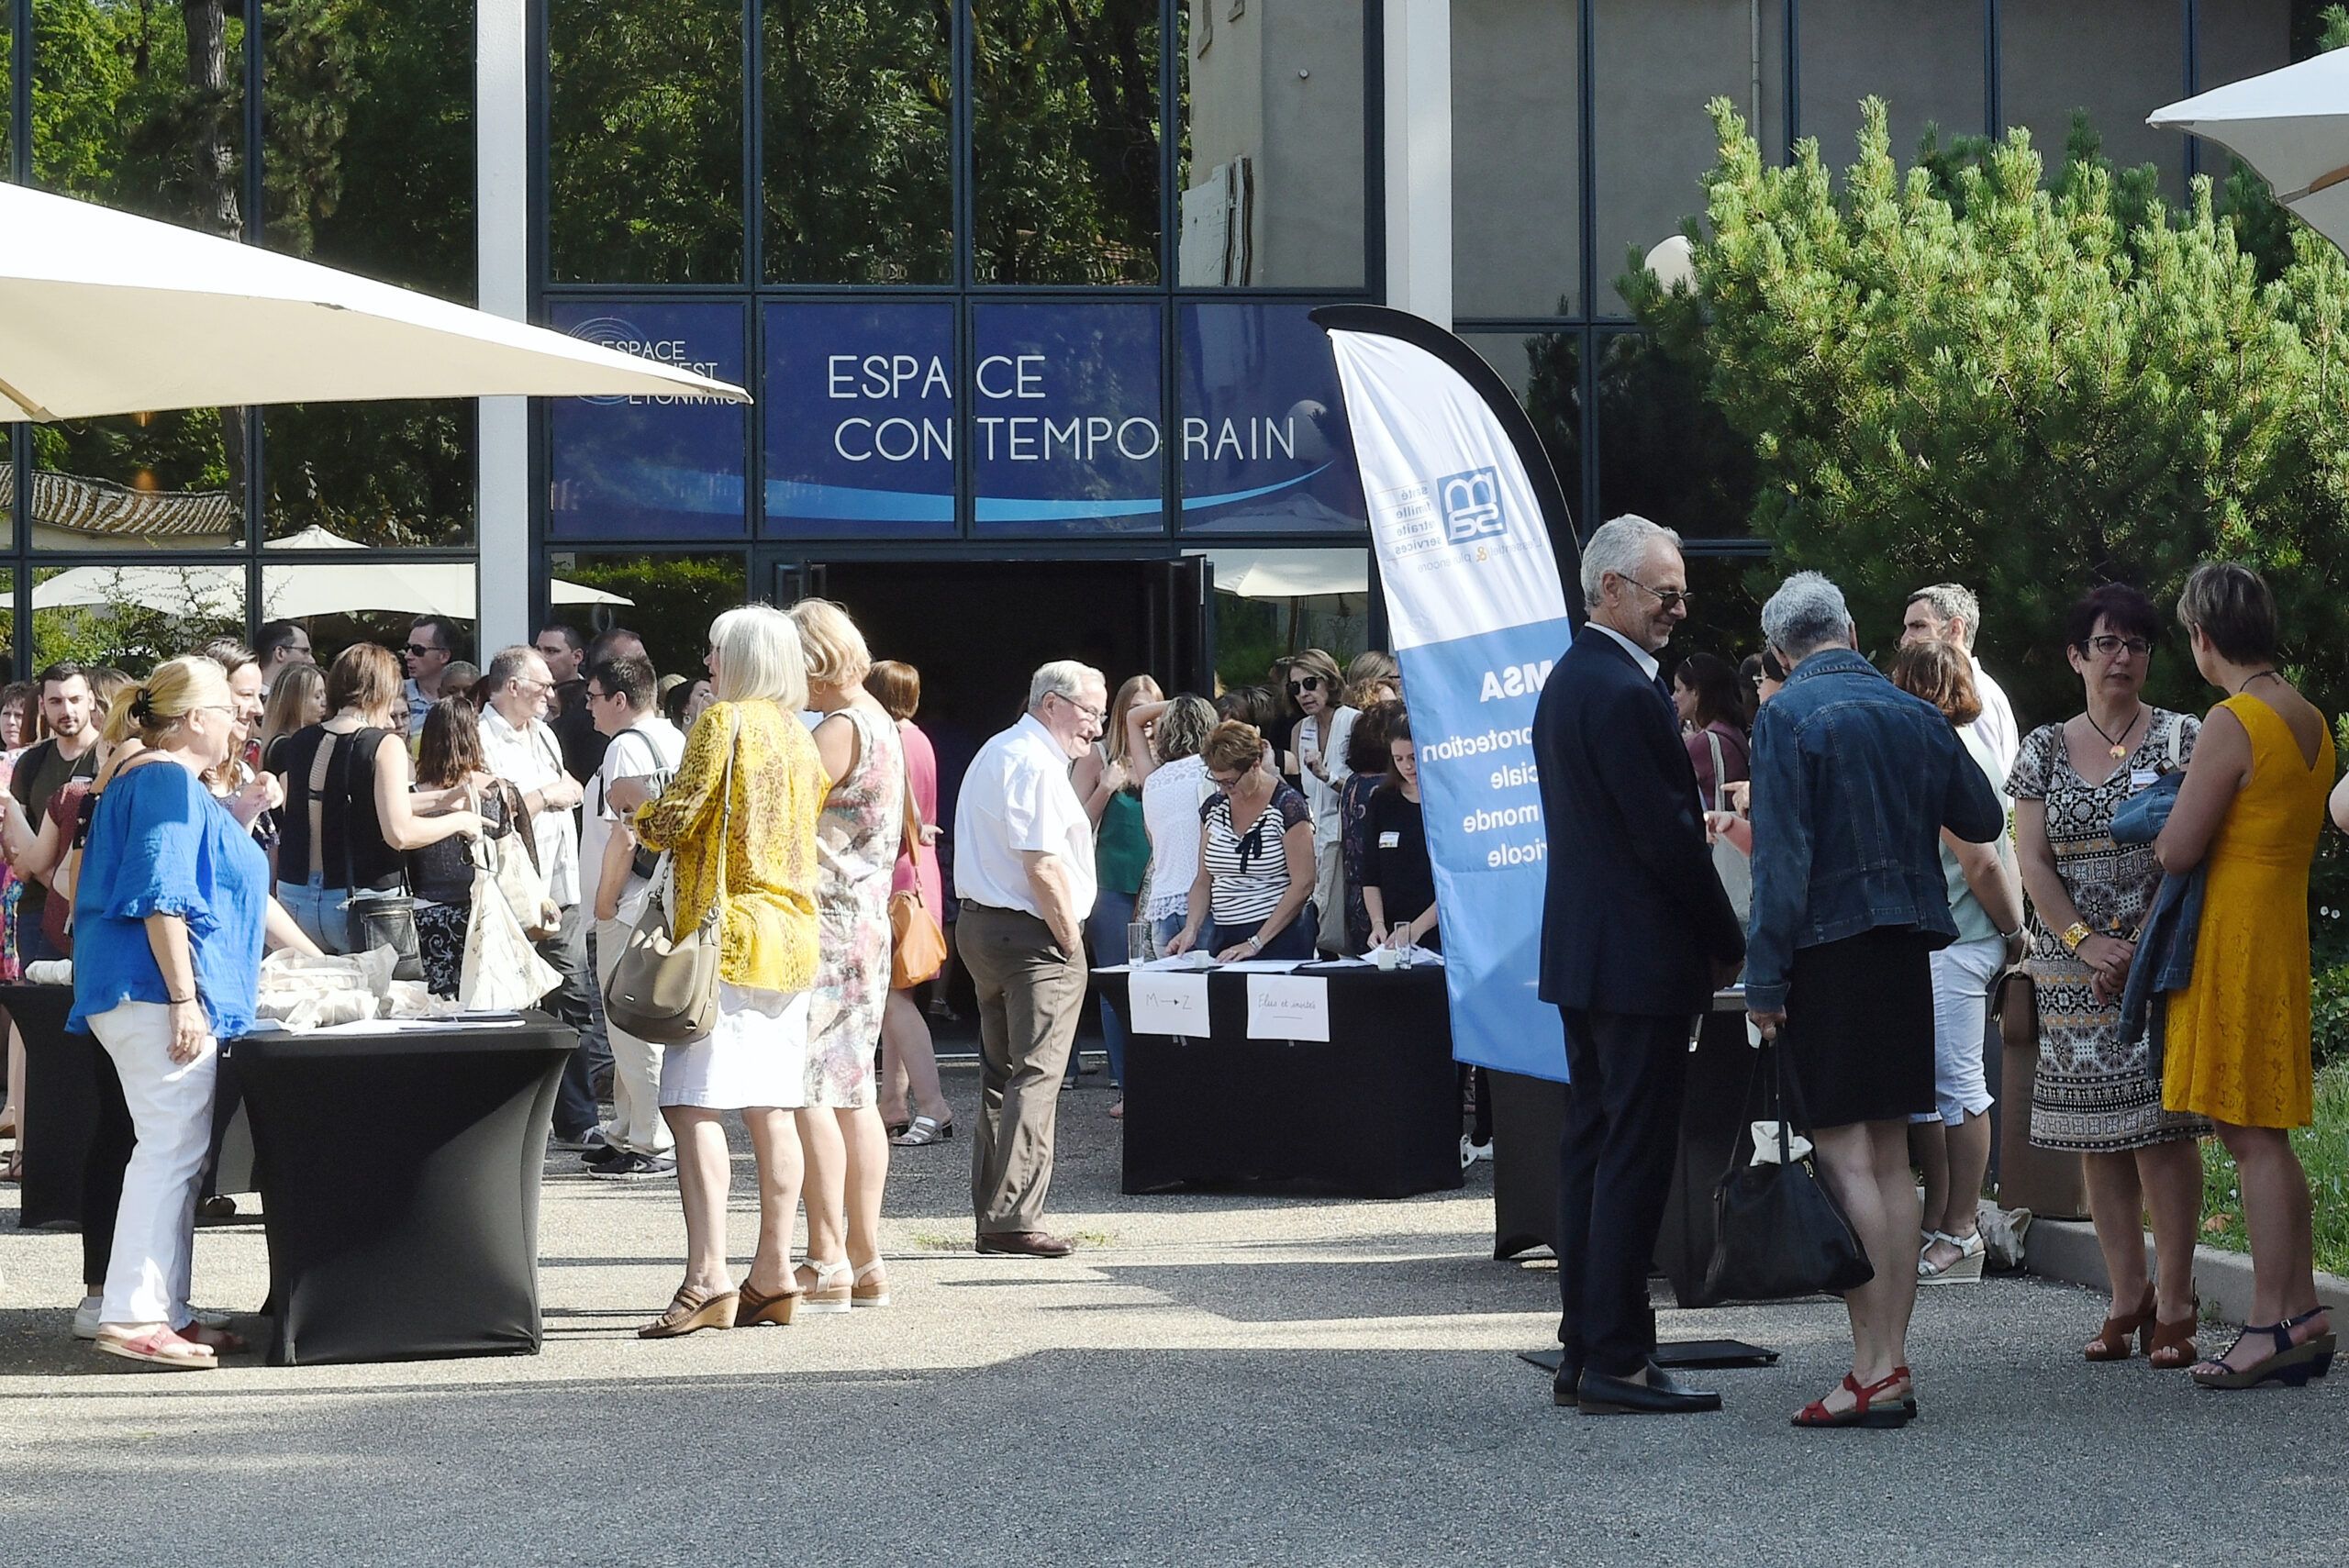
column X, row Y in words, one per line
column 1255, row 877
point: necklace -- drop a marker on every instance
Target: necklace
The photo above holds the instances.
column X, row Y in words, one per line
column 2255, row 675
column 2120, row 743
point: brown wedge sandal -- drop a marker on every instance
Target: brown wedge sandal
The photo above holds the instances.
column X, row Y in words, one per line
column 2113, row 1341
column 757, row 1307
column 2170, row 1346
column 691, row 1310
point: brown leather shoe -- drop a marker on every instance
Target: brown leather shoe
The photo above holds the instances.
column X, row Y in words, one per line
column 1025, row 1244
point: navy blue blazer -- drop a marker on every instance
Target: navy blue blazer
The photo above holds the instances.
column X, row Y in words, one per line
column 1634, row 916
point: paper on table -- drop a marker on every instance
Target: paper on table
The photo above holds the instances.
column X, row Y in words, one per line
column 1263, row 965
column 1195, row 958
column 1173, row 1004
column 1287, row 1006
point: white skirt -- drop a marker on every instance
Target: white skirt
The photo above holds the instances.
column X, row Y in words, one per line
column 756, row 1056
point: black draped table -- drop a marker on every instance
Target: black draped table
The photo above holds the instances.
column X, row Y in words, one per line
column 1372, row 1112
column 61, row 1103
column 1529, row 1117
column 399, row 1175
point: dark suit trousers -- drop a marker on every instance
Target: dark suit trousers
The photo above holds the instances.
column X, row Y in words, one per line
column 1615, row 1165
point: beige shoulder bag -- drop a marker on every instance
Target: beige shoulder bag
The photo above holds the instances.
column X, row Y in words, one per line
column 664, row 987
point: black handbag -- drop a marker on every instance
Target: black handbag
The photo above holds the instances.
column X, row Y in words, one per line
column 1777, row 1232
column 379, row 918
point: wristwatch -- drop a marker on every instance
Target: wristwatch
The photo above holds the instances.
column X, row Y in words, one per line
column 1253, row 945
column 2076, row 935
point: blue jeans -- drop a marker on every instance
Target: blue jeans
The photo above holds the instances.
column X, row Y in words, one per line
column 1105, row 933
column 319, row 910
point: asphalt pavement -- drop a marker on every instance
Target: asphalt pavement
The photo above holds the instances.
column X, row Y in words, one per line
column 1212, row 1379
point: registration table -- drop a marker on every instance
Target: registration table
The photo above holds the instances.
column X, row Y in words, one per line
column 400, row 1173
column 1370, row 1111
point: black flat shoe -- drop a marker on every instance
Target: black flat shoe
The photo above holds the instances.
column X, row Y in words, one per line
column 1661, row 1395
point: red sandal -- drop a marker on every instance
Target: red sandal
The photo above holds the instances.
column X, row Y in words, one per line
column 1864, row 1412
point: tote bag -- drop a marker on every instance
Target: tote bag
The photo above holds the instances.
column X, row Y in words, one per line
column 1731, row 864
column 502, row 968
column 917, row 946
column 663, row 990
column 1776, row 1230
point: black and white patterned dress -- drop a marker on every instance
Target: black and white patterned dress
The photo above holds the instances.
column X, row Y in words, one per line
column 2091, row 1092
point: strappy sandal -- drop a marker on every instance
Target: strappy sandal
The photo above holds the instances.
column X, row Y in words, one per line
column 159, row 1347
column 692, row 1310
column 1864, row 1411
column 2114, row 1343
column 822, row 1295
column 2292, row 1366
column 2170, row 1346
column 1963, row 1269
column 757, row 1307
column 870, row 1288
column 923, row 1131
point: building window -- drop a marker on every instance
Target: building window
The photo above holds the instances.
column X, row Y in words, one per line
column 1516, row 159
column 1265, row 444
column 1066, row 427
column 858, row 414
column 651, row 467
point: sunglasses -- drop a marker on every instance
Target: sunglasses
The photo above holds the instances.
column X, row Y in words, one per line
column 1305, row 684
column 420, row 647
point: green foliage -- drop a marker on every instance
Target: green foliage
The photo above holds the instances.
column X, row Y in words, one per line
column 676, row 598
column 1960, row 374
column 2324, row 1148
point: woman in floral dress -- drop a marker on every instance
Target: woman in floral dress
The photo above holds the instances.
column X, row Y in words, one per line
column 857, row 841
column 2088, row 896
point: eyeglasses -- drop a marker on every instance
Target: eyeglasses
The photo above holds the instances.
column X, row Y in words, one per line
column 1098, row 716
column 2108, row 645
column 1305, row 684
column 1226, row 786
column 1666, row 598
column 421, row 648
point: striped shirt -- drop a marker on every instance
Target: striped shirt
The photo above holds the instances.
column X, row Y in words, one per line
column 1248, row 872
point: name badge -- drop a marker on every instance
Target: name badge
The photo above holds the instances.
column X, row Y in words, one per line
column 1390, row 839
column 2142, row 778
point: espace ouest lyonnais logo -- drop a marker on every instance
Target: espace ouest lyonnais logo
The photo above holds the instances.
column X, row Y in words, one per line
column 1471, row 507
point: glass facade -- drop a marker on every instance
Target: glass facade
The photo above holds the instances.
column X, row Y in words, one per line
column 339, row 133
column 1008, row 280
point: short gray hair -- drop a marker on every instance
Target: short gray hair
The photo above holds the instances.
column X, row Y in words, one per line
column 759, row 657
column 1619, row 546
column 1807, row 612
column 1063, row 678
column 1954, row 601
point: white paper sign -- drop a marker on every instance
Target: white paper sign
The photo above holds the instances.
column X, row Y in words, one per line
column 1167, row 1004
column 1288, row 1007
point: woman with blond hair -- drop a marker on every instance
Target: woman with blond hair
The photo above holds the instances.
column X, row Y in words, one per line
column 857, row 840
column 171, row 911
column 297, row 701
column 1254, row 895
column 740, row 820
column 1372, row 676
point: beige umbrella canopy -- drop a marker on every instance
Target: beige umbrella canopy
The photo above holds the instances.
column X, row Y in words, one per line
column 2293, row 126
column 104, row 313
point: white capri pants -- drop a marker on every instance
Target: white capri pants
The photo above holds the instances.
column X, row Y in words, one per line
column 1962, row 976
column 148, row 1271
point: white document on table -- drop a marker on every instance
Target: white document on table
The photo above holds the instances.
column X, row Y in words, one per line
column 1263, row 965
column 1167, row 1004
column 1288, row 1007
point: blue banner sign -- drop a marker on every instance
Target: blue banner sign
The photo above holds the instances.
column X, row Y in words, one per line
column 1265, row 445
column 651, row 467
column 859, row 420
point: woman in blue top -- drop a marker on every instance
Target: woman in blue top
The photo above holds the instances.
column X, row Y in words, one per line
column 170, row 914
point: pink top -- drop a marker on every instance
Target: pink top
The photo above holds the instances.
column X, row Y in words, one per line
column 921, row 777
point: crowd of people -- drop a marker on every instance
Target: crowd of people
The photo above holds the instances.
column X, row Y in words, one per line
column 165, row 833
column 1906, row 846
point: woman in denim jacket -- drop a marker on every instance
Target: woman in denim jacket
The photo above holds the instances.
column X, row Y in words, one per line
column 1854, row 781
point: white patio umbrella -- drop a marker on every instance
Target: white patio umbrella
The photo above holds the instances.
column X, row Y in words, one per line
column 2293, row 126
column 291, row 591
column 104, row 313
column 1289, row 574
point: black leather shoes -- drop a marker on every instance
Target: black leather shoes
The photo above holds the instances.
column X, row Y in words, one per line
column 1565, row 1388
column 1600, row 1395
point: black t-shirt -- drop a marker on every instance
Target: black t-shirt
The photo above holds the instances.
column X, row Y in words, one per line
column 38, row 776
column 1394, row 858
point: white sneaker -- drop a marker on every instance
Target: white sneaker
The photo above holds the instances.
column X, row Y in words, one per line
column 1470, row 1152
column 85, row 1318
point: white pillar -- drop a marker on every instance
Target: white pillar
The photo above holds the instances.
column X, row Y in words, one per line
column 501, row 154
column 1419, row 158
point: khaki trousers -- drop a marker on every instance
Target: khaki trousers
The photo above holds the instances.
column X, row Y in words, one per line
column 1030, row 995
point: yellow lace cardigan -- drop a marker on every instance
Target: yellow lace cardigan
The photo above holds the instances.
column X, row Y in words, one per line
column 767, row 929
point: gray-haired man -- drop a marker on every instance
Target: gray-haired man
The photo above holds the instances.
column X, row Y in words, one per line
column 1023, row 873
column 1948, row 612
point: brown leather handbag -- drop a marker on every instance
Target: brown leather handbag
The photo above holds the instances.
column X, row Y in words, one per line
column 918, row 947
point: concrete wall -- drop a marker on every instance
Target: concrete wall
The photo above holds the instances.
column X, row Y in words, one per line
column 2119, row 59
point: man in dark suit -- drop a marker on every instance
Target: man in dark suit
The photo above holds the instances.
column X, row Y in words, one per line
column 1635, row 933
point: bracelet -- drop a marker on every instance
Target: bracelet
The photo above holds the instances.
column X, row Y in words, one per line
column 2009, row 936
column 186, row 1001
column 2077, row 934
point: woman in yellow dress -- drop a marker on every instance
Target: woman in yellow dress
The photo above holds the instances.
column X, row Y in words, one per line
column 2237, row 1050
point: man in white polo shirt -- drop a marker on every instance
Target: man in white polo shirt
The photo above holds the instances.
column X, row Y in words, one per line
column 1023, row 874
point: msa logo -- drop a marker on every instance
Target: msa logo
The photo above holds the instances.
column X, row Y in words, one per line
column 1472, row 506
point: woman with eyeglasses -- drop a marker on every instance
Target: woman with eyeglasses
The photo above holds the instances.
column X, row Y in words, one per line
column 2090, row 1093
column 1319, row 743
column 1254, row 895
